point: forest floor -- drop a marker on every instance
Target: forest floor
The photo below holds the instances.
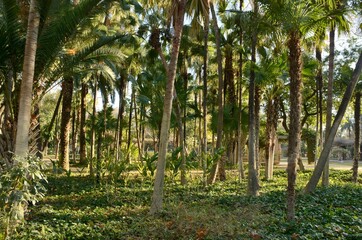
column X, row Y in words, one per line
column 76, row 207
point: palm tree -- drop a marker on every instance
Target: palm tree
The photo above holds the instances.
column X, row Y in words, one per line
column 22, row 134
column 336, row 17
column 253, row 182
column 65, row 124
column 178, row 20
column 292, row 15
column 219, row 167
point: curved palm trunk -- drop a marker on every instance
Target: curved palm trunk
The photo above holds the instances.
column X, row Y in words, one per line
column 294, row 139
column 325, row 179
column 157, row 196
column 357, row 142
column 65, row 124
column 82, row 139
column 219, row 167
column 311, row 185
column 23, row 124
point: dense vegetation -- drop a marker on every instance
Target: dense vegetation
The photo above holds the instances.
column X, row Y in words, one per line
column 75, row 208
column 142, row 106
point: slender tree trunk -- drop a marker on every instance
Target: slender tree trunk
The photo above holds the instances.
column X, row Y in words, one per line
column 219, row 167
column 257, row 128
column 294, row 140
column 157, row 196
column 204, row 100
column 182, row 140
column 272, row 123
column 93, row 132
column 311, row 185
column 253, row 181
column 74, row 134
column 325, row 178
column 82, row 137
column 319, row 79
column 357, row 141
column 49, row 129
column 240, row 107
column 130, row 124
column 137, row 130
column 65, row 125
column 23, row 123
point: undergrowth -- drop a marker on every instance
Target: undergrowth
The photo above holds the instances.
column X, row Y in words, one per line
column 75, row 208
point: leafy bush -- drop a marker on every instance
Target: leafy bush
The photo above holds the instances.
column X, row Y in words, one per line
column 20, row 185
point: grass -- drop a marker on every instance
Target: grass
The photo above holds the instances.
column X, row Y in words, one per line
column 75, row 208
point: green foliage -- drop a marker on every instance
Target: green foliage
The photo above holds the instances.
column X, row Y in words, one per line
column 20, row 185
column 74, row 209
column 148, row 166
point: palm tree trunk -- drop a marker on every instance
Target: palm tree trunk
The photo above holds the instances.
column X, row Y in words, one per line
column 325, row 178
column 240, row 107
column 257, row 128
column 130, row 124
column 65, row 125
column 82, row 139
column 157, row 196
column 311, row 185
column 219, row 167
column 272, row 122
column 204, row 100
column 253, row 181
column 357, row 142
column 23, row 124
column 294, row 140
column 93, row 132
column 319, row 79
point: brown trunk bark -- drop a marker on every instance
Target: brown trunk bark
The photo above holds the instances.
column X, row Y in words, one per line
column 294, row 140
column 357, row 141
column 67, row 88
column 311, row 185
column 82, row 129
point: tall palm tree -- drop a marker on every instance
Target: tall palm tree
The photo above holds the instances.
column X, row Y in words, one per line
column 178, row 12
column 292, row 15
column 253, row 182
column 22, row 134
column 219, row 167
column 336, row 17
